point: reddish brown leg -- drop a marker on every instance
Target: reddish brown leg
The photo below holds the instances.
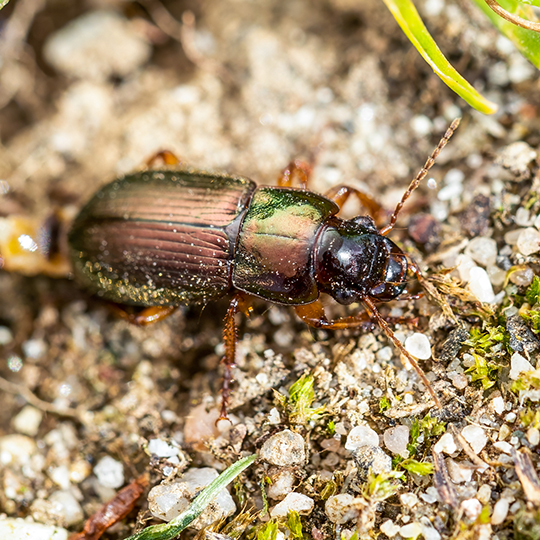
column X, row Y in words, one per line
column 341, row 193
column 150, row 315
column 313, row 314
column 296, row 172
column 421, row 175
column 230, row 337
column 165, row 156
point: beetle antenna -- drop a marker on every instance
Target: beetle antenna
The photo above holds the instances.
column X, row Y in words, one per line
column 421, row 175
column 370, row 305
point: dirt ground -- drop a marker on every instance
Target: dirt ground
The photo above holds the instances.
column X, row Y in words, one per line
column 90, row 90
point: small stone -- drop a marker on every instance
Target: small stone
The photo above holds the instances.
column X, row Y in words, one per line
column 341, row 508
column 446, row 444
column 475, row 219
column 97, row 45
column 518, row 365
column 361, row 436
column 472, row 508
column 109, row 472
column 484, row 494
column 167, row 501
column 16, row 449
column 428, row 531
column 459, row 471
column 284, row 449
column 28, row 421
column 26, row 529
column 503, row 446
column 60, row 476
column 201, row 427
column 68, row 507
column 528, row 241
column 517, row 157
column 162, row 449
column 482, row 250
column 464, row 264
column 500, row 511
column 274, row 417
column 282, row 484
column 533, row 436
column 522, row 339
column 6, row 336
column 371, row 457
column 389, row 528
column 522, row 277
column 408, row 499
column 411, row 530
column 498, row 405
column 480, row 285
column 293, row 501
column 418, row 345
column 476, row 437
column 396, row 440
column 430, row 496
column 460, row 381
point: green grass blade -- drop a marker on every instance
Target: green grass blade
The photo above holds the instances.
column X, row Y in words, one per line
column 3, row 3
column 526, row 41
column 408, row 18
column 166, row 531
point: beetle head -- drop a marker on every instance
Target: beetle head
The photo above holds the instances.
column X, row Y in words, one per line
column 353, row 261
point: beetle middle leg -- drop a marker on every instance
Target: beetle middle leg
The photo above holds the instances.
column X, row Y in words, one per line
column 149, row 315
column 314, row 315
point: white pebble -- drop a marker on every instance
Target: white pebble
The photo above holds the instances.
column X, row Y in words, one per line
column 533, row 436
column 273, row 417
column 28, row 421
column 430, row 496
column 428, row 531
column 476, row 437
column 396, row 440
column 6, row 336
column 293, row 501
column 411, row 530
column 282, row 484
column 60, row 476
column 503, row 446
column 463, row 264
column 26, row 529
column 500, row 511
column 418, row 345
column 480, row 285
column 361, row 436
column 285, row 448
column 68, row 507
column 498, row 405
column 482, row 250
column 522, row 217
column 472, row 508
column 450, row 192
column 511, row 237
column 518, row 365
column 460, row 381
column 484, row 493
column 16, row 449
column 528, row 241
column 109, row 472
column 459, row 471
column 389, row 528
column 446, row 444
column 160, row 448
column 341, row 508
column 409, row 499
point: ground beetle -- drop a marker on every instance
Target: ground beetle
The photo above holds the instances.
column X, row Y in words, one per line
column 165, row 237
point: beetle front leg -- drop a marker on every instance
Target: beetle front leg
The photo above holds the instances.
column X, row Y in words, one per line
column 341, row 193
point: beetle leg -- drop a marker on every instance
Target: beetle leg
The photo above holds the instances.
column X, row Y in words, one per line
column 149, row 315
column 295, row 170
column 340, row 194
column 313, row 314
column 421, row 175
column 230, row 337
column 165, row 156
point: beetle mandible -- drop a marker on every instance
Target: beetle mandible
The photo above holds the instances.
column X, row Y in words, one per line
column 161, row 238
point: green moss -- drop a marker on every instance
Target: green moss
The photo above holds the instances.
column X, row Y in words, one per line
column 297, row 405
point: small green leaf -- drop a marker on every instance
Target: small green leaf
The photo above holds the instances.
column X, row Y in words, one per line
column 169, row 530
column 3, row 3
column 294, row 524
column 416, row 467
column 533, row 292
column 526, row 41
column 408, row 18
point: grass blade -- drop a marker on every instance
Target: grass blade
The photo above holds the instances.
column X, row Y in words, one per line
column 408, row 18
column 526, row 41
column 166, row 531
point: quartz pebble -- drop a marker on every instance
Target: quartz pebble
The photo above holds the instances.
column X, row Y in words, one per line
column 482, row 250
column 464, row 264
column 528, row 241
column 167, row 501
column 27, row 529
column 371, row 457
column 284, row 449
column 162, row 449
column 500, row 511
column 109, row 472
column 389, row 528
column 445, row 444
column 460, row 381
column 533, row 436
column 68, row 507
column 519, row 364
column 361, row 436
column 411, row 530
column 472, row 508
column 428, row 531
column 409, row 499
column 476, row 437
column 293, row 501
column 480, row 285
column 28, row 421
column 459, row 471
column 396, row 440
column 498, row 405
column 282, row 484
column 341, row 508
column 418, row 345
column 16, row 449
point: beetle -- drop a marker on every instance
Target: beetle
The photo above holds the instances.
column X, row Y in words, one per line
column 161, row 238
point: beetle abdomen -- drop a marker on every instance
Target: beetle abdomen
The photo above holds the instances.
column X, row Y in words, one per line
column 160, row 237
column 274, row 255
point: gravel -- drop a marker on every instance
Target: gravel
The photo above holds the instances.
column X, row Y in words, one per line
column 418, row 345
column 518, row 365
column 476, row 437
column 396, row 440
column 293, row 501
column 285, row 449
column 109, row 472
column 361, row 436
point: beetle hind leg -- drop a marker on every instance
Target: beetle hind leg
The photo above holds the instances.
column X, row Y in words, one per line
column 166, row 157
